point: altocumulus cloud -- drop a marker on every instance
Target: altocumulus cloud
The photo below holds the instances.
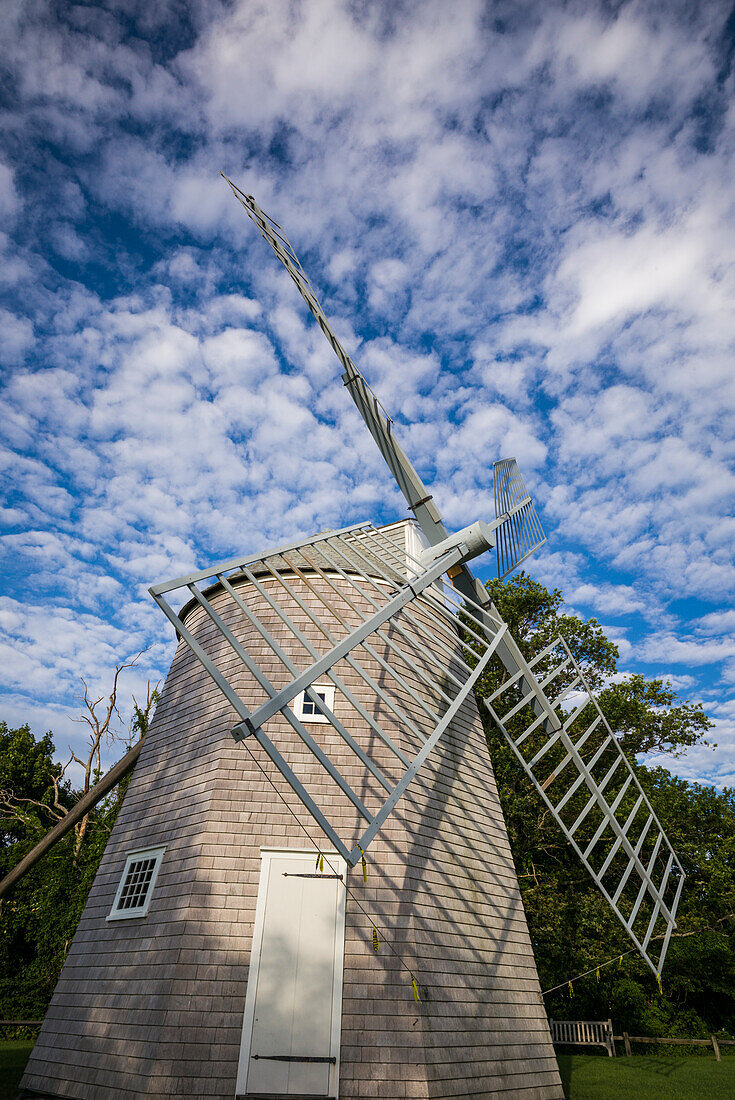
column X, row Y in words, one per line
column 520, row 219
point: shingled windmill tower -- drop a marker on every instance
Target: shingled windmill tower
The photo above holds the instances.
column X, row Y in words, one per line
column 309, row 890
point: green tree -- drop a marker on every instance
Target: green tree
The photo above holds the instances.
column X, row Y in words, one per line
column 647, row 717
column 535, row 616
column 39, row 915
column 572, row 926
column 34, row 919
column 27, row 766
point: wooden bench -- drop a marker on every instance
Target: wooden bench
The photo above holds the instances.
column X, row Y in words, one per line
column 583, row 1033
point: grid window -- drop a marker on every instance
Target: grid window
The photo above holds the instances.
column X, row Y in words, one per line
column 135, row 890
column 309, row 710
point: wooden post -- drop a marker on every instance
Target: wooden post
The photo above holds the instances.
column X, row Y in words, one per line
column 716, row 1047
column 626, row 1040
column 610, row 1040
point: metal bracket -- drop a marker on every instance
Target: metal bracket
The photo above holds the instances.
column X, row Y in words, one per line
column 312, row 874
column 417, row 503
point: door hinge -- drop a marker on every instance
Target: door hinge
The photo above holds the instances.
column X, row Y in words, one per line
column 313, row 874
column 293, row 1058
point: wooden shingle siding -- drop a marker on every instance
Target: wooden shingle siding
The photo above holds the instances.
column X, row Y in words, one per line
column 153, row 1007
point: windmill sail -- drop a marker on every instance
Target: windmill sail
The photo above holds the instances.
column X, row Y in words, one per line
column 377, row 420
column 619, row 842
column 520, row 534
column 575, row 762
column 382, row 621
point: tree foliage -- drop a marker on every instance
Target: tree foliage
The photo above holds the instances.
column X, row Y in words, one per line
column 535, row 616
column 647, row 717
column 572, row 927
column 40, row 913
column 38, row 918
column 26, row 765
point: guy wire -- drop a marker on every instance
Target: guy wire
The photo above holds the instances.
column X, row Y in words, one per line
column 326, row 860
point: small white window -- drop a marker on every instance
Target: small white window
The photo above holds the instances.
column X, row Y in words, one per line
column 308, row 710
column 136, row 884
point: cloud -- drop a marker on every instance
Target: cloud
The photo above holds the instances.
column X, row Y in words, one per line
column 607, row 599
column 641, row 56
column 679, row 683
column 16, row 335
column 9, row 198
column 520, row 227
column 619, row 275
column 689, row 651
column 716, row 621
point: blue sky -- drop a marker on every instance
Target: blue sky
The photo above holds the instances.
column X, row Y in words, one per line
column 519, row 218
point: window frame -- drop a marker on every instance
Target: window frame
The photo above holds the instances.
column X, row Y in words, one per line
column 141, row 910
column 298, row 703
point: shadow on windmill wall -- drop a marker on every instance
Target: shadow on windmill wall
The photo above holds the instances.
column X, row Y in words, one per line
column 475, row 941
column 464, row 933
column 121, row 1013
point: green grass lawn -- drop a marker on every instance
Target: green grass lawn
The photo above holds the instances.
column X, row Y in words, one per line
column 13, row 1058
column 585, row 1076
column 647, row 1077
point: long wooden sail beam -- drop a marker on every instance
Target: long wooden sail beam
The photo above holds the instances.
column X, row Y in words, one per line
column 379, row 424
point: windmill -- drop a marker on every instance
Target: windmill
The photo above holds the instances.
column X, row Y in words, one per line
column 309, row 889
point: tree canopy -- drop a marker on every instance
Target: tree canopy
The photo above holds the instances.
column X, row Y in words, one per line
column 40, row 913
column 38, row 918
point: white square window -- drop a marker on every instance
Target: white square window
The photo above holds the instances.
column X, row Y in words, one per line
column 307, row 710
column 136, row 884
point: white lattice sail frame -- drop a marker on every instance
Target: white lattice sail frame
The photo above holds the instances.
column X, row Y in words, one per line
column 579, row 770
column 372, row 603
column 360, row 568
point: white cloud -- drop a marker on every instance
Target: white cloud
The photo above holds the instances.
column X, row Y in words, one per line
column 520, row 227
column 716, row 622
column 643, row 58
column 612, row 599
column 9, row 198
column 619, row 275
column 16, row 335
column 681, row 650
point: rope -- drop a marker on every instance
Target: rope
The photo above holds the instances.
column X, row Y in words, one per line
column 619, row 959
column 599, row 966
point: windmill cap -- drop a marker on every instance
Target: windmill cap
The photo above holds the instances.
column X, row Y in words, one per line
column 473, row 541
column 478, row 538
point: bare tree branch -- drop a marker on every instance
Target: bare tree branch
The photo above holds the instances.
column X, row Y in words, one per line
column 101, row 715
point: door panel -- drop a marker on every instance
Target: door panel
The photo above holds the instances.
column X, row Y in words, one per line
column 293, row 1003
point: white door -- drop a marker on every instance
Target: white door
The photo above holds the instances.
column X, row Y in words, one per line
column 293, row 1008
